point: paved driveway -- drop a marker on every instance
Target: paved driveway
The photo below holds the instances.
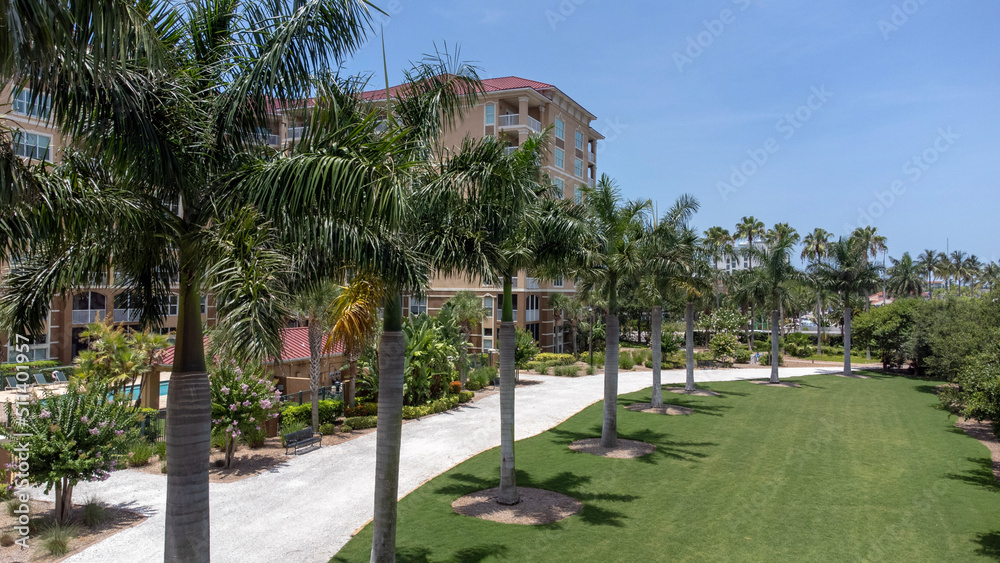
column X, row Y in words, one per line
column 306, row 509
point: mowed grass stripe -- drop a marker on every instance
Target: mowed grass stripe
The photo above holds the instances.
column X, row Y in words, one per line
column 840, row 469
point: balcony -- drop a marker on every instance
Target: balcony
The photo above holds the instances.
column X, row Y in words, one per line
column 273, row 140
column 296, row 133
column 87, row 316
column 513, row 282
column 514, row 120
column 531, row 283
column 509, row 150
column 592, row 158
column 592, row 182
column 126, row 315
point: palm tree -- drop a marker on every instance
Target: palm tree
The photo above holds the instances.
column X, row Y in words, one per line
column 615, row 254
column 310, row 304
column 814, row 250
column 569, row 308
column 905, row 277
column 782, row 232
column 769, row 284
column 468, row 310
column 150, row 139
column 718, row 244
column 971, row 270
column 991, row 273
column 751, row 229
column 928, row 262
column 847, row 271
column 353, row 322
column 956, row 268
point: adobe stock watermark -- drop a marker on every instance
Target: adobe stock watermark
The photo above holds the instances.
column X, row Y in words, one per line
column 900, row 16
column 913, row 169
column 786, row 127
column 19, row 456
column 563, row 11
column 697, row 44
column 611, row 130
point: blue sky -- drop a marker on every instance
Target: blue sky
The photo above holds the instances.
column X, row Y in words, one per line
column 819, row 114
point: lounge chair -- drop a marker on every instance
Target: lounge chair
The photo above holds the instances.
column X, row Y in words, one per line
column 40, row 379
column 60, row 377
column 11, row 382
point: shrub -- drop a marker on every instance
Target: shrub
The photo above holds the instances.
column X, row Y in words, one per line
column 327, row 429
column 598, row 358
column 288, row 429
column 139, row 453
column 625, row 360
column 724, row 348
column 539, row 367
column 590, row 370
column 361, row 409
column 455, row 387
column 160, row 449
column 12, row 506
column 525, row 348
column 555, row 359
column 55, row 538
column 93, row 513
column 743, row 355
column 242, row 400
column 163, row 467
column 329, row 410
column 669, row 343
column 465, row 396
column 255, row 437
column 481, row 377
column 411, row 412
column 11, row 368
column 360, row 422
column 6, row 539
column 568, row 371
column 765, row 359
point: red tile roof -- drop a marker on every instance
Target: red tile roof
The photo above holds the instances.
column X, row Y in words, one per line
column 489, row 85
column 295, row 346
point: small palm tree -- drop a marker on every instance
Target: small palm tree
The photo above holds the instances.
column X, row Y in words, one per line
column 718, row 243
column 467, row 309
column 311, row 304
column 751, row 229
column 572, row 309
column 353, row 323
column 905, row 277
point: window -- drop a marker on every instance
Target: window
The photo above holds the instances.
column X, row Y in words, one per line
column 578, row 194
column 579, row 140
column 126, row 311
column 560, row 129
column 487, row 344
column 560, row 158
column 170, row 304
column 559, row 183
column 204, row 305
column 31, row 145
column 558, row 282
column 418, row 305
column 487, row 332
column 491, row 114
column 488, row 305
column 578, row 168
column 38, row 349
column 534, row 329
column 88, row 306
column 22, row 105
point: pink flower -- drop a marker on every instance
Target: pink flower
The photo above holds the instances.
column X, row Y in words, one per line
column 244, row 387
column 246, row 403
column 251, row 419
column 94, row 431
column 265, row 404
column 102, row 424
column 119, row 432
column 44, row 414
column 83, row 419
column 225, row 390
column 232, row 407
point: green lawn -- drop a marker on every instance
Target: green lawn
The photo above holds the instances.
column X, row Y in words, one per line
column 840, row 469
column 855, row 360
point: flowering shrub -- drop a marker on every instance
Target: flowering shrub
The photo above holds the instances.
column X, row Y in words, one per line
column 60, row 440
column 242, row 401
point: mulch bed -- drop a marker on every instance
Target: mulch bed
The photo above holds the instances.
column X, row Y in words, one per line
column 781, row 384
column 983, row 431
column 116, row 520
column 626, row 449
column 537, row 506
column 665, row 409
column 696, row 392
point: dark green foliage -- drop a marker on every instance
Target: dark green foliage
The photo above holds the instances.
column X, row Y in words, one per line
column 360, row 422
column 465, row 396
column 669, row 343
column 288, row 429
column 93, row 513
column 481, row 377
column 329, row 410
column 887, row 330
column 11, row 368
column 625, row 360
column 567, row 371
column 327, row 429
column 525, row 348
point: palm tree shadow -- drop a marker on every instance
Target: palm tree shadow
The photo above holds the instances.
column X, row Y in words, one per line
column 476, row 553
column 465, row 483
column 989, row 545
column 413, row 554
column 982, row 476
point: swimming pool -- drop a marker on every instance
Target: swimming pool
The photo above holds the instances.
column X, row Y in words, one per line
column 135, row 390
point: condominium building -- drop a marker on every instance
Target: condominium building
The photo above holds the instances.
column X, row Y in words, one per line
column 514, row 108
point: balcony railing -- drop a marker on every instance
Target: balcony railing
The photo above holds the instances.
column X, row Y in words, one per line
column 513, row 282
column 273, row 140
column 592, row 158
column 531, row 283
column 509, row 120
column 87, row 316
column 296, row 133
column 534, row 124
column 509, row 150
column 126, row 315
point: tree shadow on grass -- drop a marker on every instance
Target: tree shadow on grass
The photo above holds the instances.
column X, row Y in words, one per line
column 989, row 545
column 465, row 483
column 981, row 476
column 931, row 389
column 695, row 404
column 476, row 553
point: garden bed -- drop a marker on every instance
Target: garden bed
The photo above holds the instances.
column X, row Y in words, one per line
column 115, row 520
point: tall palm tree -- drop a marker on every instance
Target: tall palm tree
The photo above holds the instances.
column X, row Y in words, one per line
column 751, row 229
column 769, row 284
column 718, row 243
column 847, row 271
column 971, row 270
column 957, row 269
column 310, row 304
column 569, row 308
column 814, row 249
column 149, row 139
column 928, row 262
column 905, row 277
column 468, row 310
column 991, row 274
column 782, row 232
column 615, row 254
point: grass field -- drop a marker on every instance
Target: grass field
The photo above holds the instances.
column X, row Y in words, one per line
column 840, row 469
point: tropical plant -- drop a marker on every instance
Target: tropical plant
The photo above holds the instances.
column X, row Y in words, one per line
column 79, row 435
column 311, row 304
column 467, row 309
column 815, row 248
column 572, row 309
column 116, row 357
column 905, row 277
column 429, row 366
column 751, row 229
column 242, row 401
column 616, row 253
column 353, row 322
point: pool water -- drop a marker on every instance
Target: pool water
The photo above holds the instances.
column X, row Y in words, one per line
column 135, row 390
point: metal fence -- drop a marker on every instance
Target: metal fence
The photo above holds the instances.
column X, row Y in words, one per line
column 328, row 392
column 153, row 426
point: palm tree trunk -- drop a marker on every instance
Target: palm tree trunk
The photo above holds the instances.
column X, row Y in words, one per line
column 573, row 334
column 753, row 331
column 352, row 374
column 689, row 345
column 463, row 361
column 315, row 333
column 188, row 433
column 775, row 345
column 508, row 483
column 657, row 328
column 389, row 434
column 819, row 323
column 609, row 430
column 847, row 340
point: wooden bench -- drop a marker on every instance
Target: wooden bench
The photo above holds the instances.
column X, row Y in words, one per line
column 301, row 438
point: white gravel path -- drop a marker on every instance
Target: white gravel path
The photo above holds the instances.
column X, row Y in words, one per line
column 306, row 509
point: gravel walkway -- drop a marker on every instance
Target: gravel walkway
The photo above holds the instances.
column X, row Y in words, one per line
column 306, row 509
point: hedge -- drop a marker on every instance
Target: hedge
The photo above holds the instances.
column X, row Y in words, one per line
column 329, row 410
column 361, row 409
column 555, row 359
column 11, row 368
column 567, row 371
column 358, row 423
